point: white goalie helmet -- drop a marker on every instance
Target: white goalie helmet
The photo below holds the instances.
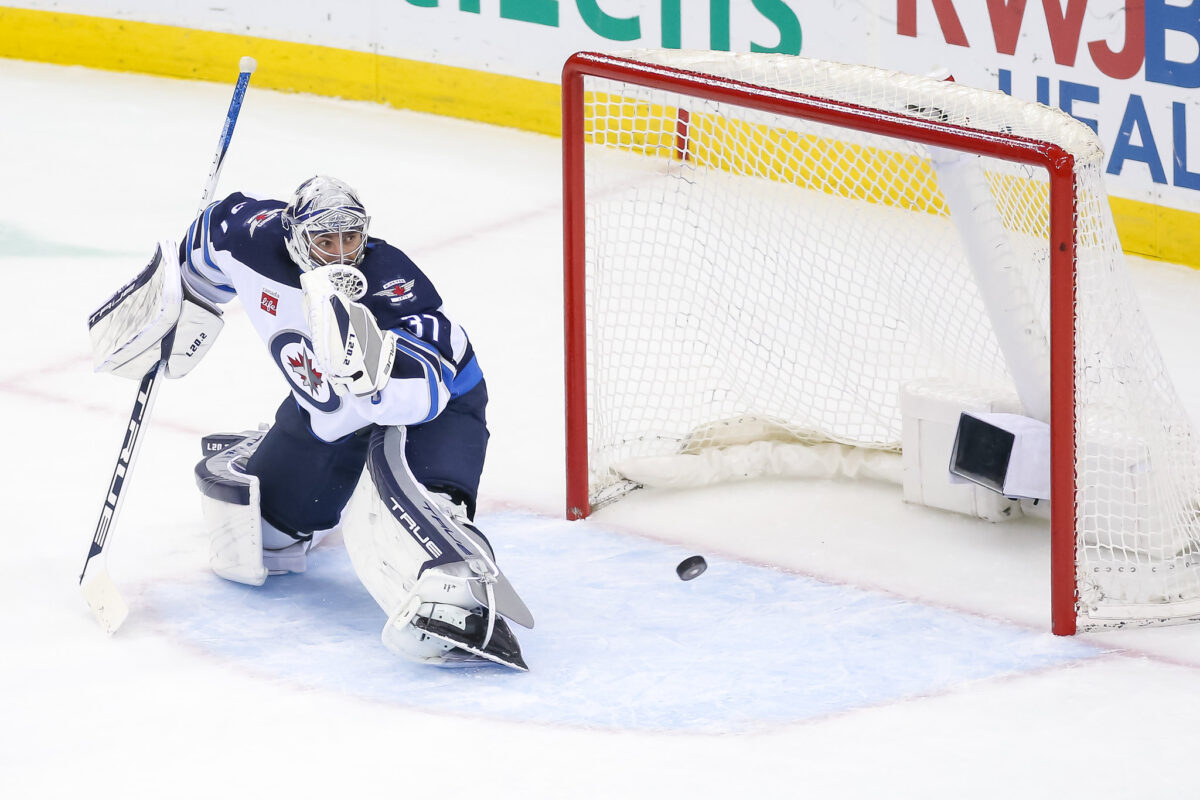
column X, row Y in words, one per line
column 324, row 205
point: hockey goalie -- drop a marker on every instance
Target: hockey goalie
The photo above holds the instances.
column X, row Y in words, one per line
column 383, row 433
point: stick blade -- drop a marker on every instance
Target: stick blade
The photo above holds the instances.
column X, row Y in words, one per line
column 103, row 597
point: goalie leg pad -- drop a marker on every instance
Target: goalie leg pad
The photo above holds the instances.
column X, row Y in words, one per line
column 230, row 503
column 244, row 547
column 429, row 569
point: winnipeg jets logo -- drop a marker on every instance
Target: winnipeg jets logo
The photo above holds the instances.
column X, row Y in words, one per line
column 294, row 355
column 340, row 221
column 262, row 218
column 302, row 365
column 398, row 291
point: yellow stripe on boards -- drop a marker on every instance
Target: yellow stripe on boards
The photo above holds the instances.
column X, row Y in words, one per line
column 469, row 94
column 151, row 49
column 1145, row 228
column 1167, row 234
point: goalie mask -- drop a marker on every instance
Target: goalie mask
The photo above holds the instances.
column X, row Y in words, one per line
column 325, row 223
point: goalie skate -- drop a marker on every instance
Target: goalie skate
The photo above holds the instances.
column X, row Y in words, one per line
column 470, row 645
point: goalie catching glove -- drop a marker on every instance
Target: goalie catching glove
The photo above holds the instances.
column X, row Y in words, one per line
column 347, row 341
column 155, row 317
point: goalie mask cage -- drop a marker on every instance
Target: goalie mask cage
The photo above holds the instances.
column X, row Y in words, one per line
column 790, row 242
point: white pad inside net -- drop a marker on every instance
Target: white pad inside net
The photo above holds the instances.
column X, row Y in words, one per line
column 755, row 271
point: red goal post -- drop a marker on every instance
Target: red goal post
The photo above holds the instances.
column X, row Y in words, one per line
column 648, row 104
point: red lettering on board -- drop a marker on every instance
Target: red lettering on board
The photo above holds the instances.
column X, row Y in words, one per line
column 1064, row 28
column 947, row 17
column 1125, row 62
column 1006, row 16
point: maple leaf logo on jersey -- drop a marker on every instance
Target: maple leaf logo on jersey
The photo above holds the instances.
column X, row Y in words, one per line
column 294, row 357
column 262, row 218
column 398, row 291
column 303, row 366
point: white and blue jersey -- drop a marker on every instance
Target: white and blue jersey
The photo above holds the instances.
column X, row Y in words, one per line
column 236, row 248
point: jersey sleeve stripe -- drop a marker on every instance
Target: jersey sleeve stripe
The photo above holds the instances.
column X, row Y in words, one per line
column 205, row 240
column 217, row 284
column 469, row 376
column 459, row 378
column 428, row 352
column 430, row 381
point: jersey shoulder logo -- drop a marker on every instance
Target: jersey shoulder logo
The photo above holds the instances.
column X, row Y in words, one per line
column 398, row 291
column 294, row 356
column 262, row 218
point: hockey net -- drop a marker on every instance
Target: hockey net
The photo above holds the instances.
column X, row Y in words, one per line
column 763, row 247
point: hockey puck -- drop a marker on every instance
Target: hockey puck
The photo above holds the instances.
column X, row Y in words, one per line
column 691, row 567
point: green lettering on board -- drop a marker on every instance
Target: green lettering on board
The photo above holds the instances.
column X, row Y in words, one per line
column 718, row 25
column 542, row 12
column 672, row 25
column 618, row 29
column 784, row 19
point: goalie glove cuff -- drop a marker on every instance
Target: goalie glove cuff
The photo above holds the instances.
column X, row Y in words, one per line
column 199, row 323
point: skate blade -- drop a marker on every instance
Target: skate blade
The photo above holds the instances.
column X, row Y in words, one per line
column 510, row 660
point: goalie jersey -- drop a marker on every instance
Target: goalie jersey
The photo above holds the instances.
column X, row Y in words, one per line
column 236, row 248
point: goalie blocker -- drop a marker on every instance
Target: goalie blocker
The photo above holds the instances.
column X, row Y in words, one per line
column 155, row 317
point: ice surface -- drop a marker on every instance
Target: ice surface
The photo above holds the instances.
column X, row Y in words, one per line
column 620, row 642
column 841, row 644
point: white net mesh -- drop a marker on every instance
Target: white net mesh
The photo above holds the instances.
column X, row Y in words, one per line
column 741, row 264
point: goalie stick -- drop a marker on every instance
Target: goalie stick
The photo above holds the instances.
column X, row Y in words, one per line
column 101, row 593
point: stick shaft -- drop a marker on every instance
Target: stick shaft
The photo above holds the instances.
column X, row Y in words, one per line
column 246, row 67
column 102, row 596
column 125, row 458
